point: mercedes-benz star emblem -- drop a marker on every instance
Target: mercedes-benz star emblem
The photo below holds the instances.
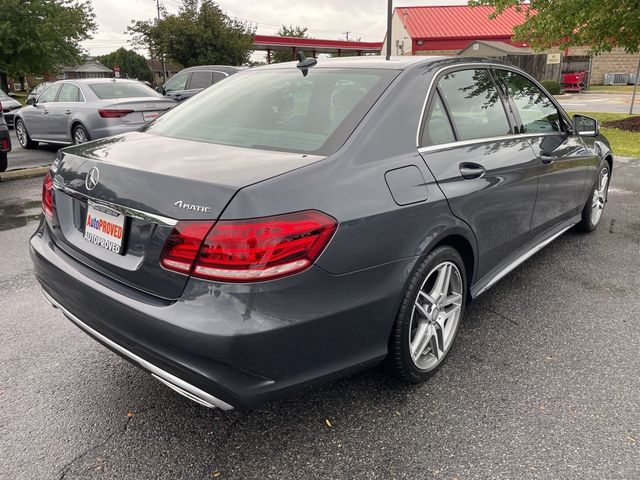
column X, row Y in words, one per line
column 92, row 178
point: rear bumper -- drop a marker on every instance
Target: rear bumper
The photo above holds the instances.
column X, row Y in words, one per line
column 231, row 346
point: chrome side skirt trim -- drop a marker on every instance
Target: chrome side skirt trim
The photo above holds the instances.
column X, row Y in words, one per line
column 128, row 211
column 173, row 382
column 518, row 261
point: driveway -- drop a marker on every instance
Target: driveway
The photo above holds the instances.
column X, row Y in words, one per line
column 542, row 383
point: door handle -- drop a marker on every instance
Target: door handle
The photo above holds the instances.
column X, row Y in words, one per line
column 472, row 170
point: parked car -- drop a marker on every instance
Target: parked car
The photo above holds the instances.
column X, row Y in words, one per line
column 76, row 111
column 5, row 141
column 38, row 89
column 186, row 83
column 9, row 106
column 286, row 229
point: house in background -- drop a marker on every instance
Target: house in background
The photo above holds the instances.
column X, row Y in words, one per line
column 156, row 68
column 446, row 30
column 91, row 69
column 490, row 48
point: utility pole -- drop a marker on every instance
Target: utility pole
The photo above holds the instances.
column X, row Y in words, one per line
column 389, row 16
column 164, row 69
column 347, row 34
column 635, row 87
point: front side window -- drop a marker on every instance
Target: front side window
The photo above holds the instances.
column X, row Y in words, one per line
column 69, row 93
column 537, row 112
column 437, row 129
column 49, row 95
column 200, row 80
column 110, row 90
column 279, row 109
column 475, row 104
column 177, row 82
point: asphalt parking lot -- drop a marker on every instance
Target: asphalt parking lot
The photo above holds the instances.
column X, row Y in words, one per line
column 542, row 383
column 21, row 158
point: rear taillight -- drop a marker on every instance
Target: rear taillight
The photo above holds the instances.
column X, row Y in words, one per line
column 47, row 195
column 113, row 113
column 4, row 144
column 249, row 250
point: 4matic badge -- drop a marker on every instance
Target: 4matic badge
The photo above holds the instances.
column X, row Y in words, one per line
column 189, row 206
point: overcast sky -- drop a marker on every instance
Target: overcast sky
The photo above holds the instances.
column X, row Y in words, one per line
column 329, row 19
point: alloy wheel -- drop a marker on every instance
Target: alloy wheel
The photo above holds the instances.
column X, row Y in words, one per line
column 436, row 313
column 599, row 196
column 21, row 133
column 80, row 135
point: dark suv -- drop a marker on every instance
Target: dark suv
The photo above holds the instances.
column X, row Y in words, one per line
column 186, row 83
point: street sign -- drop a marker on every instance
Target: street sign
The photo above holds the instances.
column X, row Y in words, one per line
column 553, row 58
column 116, row 71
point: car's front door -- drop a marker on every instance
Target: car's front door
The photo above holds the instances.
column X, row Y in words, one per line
column 563, row 159
column 37, row 118
column 60, row 112
column 176, row 86
column 487, row 173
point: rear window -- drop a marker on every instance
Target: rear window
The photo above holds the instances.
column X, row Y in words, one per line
column 107, row 91
column 279, row 109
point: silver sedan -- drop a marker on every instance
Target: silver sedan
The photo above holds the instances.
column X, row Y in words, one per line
column 76, row 111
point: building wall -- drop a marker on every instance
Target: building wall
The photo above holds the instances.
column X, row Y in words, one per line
column 399, row 35
column 446, row 53
column 616, row 61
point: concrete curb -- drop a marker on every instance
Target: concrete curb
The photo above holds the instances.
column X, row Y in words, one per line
column 23, row 173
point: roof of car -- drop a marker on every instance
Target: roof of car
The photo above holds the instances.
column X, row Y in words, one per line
column 100, row 80
column 213, row 67
column 379, row 62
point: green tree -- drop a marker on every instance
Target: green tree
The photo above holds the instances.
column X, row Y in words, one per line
column 132, row 64
column 288, row 31
column 600, row 25
column 37, row 36
column 199, row 34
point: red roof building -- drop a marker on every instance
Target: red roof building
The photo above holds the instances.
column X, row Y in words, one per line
column 440, row 29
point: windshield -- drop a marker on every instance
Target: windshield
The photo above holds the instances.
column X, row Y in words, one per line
column 4, row 96
column 279, row 109
column 107, row 91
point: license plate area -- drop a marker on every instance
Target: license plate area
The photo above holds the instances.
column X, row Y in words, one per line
column 104, row 227
column 148, row 116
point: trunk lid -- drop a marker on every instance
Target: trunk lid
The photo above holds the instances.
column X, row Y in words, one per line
column 152, row 181
column 144, row 109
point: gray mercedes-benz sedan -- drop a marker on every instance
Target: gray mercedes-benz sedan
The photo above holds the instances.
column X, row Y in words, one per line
column 76, row 111
column 298, row 222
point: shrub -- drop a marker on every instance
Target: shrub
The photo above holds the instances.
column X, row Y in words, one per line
column 552, row 86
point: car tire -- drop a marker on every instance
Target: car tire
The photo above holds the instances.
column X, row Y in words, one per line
column 80, row 135
column 592, row 211
column 4, row 163
column 23, row 135
column 412, row 357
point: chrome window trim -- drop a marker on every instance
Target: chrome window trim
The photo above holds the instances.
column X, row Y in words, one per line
column 128, row 211
column 182, row 387
column 486, row 65
column 474, row 141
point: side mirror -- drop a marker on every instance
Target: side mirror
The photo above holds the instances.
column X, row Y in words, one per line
column 11, row 94
column 31, row 101
column 585, row 126
column 160, row 89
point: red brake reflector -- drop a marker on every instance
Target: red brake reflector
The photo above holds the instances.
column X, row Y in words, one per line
column 47, row 195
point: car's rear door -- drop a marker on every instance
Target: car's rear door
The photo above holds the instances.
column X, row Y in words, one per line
column 60, row 113
column 563, row 160
column 487, row 172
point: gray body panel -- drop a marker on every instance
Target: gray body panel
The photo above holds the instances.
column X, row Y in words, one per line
column 249, row 343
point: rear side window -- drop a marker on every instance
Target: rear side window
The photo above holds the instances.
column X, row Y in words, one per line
column 110, row 90
column 437, row 129
column 201, row 80
column 537, row 112
column 69, row 93
column 279, row 109
column 217, row 76
column 475, row 105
